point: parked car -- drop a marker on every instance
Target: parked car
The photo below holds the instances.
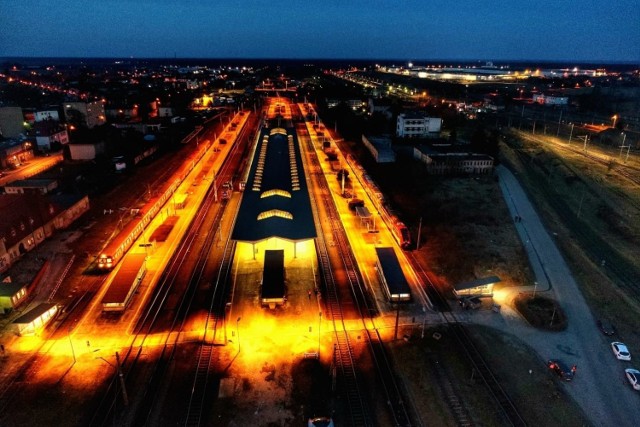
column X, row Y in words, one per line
column 633, row 375
column 606, row 328
column 620, row 350
column 561, row 369
column 470, row 303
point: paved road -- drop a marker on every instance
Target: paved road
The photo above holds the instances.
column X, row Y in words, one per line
column 32, row 167
column 599, row 387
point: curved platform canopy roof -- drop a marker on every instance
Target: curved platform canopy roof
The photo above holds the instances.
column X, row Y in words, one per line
column 276, row 200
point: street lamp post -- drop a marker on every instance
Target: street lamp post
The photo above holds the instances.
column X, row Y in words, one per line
column 319, row 324
column 571, row 134
column 615, row 118
column 238, row 330
column 73, row 353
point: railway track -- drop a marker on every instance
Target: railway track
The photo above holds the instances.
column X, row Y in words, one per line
column 508, row 410
column 598, row 249
column 629, row 172
column 12, row 386
column 144, row 409
column 344, row 353
column 216, row 317
column 105, row 410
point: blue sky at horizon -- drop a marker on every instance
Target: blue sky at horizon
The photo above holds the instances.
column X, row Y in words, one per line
column 587, row 30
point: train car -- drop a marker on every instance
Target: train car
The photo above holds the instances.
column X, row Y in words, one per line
column 112, row 253
column 272, row 291
column 391, row 276
column 125, row 283
column 402, row 235
column 119, row 246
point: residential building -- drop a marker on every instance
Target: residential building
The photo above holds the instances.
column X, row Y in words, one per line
column 418, row 125
column 91, row 114
column 122, row 112
column 14, row 152
column 50, row 135
column 40, row 186
column 26, row 220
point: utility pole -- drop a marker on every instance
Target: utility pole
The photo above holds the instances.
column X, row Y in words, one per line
column 73, row 353
column 419, row 230
column 628, row 147
column 395, row 334
column 571, row 134
column 319, row 325
column 560, row 119
column 125, row 397
column 238, row 330
column 215, row 189
column 580, row 206
column 586, row 139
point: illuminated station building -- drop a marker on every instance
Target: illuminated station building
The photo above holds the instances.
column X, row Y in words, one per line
column 275, row 221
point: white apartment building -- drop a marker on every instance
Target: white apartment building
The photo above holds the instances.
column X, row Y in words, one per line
column 417, row 125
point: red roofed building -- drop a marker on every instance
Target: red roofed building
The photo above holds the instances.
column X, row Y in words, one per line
column 27, row 219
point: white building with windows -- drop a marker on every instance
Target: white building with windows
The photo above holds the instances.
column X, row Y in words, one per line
column 417, row 125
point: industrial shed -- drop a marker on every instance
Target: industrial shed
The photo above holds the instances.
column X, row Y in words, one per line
column 476, row 288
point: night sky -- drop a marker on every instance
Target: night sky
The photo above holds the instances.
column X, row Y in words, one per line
column 554, row 30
